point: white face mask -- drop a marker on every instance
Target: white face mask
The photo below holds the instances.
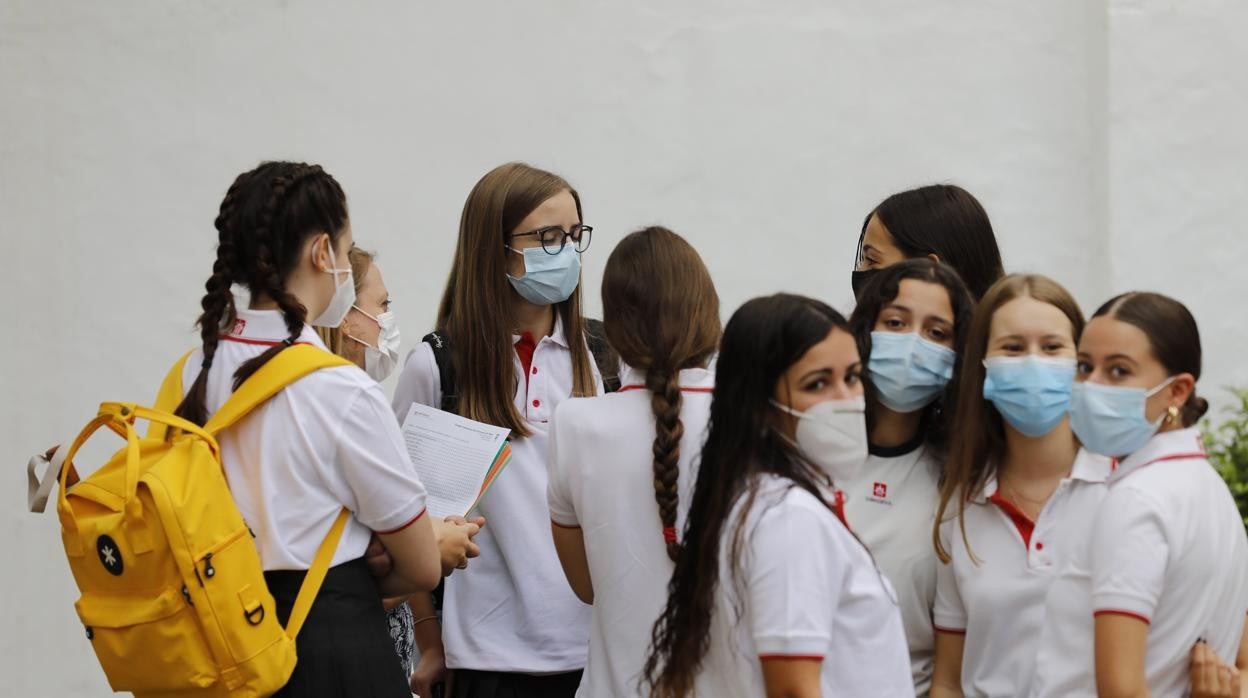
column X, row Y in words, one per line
column 381, row 360
column 344, row 298
column 833, row 436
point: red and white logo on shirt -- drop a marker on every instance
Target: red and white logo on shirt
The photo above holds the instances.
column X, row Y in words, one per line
column 880, row 490
column 239, row 325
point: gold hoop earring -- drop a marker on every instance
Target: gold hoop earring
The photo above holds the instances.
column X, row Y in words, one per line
column 1172, row 416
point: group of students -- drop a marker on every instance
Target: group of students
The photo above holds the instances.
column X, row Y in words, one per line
column 963, row 489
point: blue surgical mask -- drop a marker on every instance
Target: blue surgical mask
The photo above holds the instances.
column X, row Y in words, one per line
column 548, row 278
column 907, row 371
column 1031, row 392
column 1110, row 420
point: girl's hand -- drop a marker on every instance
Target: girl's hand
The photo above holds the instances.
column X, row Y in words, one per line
column 1210, row 677
column 431, row 671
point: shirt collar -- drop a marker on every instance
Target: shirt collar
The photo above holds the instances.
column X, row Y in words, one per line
column 268, row 326
column 688, row 378
column 556, row 334
column 1088, row 467
column 1167, row 445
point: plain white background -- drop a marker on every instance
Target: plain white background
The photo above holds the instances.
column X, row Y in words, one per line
column 1105, row 138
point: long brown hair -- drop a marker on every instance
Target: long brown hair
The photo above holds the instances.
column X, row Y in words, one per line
column 360, row 261
column 476, row 305
column 761, row 341
column 264, row 219
column 661, row 314
column 977, row 441
column 1172, row 336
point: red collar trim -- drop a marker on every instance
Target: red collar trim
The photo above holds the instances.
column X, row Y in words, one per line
column 1173, row 456
column 1016, row 516
column 683, row 389
column 255, row 342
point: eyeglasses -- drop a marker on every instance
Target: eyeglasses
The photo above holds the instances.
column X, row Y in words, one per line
column 553, row 238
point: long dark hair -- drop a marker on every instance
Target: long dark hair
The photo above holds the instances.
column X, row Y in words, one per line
column 1172, row 335
column 882, row 290
column 761, row 341
column 476, row 304
column 264, row 219
column 661, row 313
column 978, row 442
column 947, row 221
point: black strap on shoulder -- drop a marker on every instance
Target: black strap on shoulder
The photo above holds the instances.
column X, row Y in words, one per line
column 442, row 356
column 604, row 355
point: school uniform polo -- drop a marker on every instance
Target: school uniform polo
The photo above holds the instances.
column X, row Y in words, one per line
column 512, row 610
column 801, row 587
column 998, row 602
column 602, row 482
column 891, row 506
column 1167, row 547
column 326, row 441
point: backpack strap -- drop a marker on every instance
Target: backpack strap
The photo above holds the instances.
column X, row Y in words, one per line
column 316, row 575
column 604, row 355
column 441, row 346
column 288, row 366
column 169, row 397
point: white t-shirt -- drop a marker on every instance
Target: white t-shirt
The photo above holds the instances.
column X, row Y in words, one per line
column 602, row 481
column 891, row 506
column 512, row 610
column 805, row 588
column 1168, row 547
column 326, row 441
column 999, row 602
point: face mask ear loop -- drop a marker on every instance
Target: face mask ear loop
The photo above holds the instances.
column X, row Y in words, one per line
column 1160, row 387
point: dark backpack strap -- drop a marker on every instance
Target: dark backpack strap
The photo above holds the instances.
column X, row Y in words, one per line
column 606, row 358
column 441, row 346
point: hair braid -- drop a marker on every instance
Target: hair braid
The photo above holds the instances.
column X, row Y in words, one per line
column 267, row 278
column 665, row 401
column 217, row 303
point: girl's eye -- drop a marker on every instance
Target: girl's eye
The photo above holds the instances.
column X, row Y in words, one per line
column 1052, row 348
column 1119, row 372
column 894, row 323
column 817, row 386
column 1084, row 368
column 852, row 378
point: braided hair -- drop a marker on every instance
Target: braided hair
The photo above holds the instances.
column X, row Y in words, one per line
column 661, row 313
column 265, row 218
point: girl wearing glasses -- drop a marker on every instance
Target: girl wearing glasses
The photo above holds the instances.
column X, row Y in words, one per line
column 511, row 313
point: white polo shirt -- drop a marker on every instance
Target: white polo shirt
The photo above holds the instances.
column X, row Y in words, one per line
column 602, row 481
column 326, row 441
column 999, row 602
column 512, row 610
column 803, row 587
column 1168, row 547
column 891, row 506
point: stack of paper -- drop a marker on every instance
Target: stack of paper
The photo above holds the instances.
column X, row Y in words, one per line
column 456, row 458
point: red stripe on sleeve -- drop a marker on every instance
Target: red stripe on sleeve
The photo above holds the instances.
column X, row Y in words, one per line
column 948, row 631
column 1120, row 612
column 400, row 528
column 556, row 524
column 804, row 657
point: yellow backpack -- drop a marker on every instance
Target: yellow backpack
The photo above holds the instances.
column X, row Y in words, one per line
column 174, row 599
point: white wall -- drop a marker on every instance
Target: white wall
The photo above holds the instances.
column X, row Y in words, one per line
column 1105, row 138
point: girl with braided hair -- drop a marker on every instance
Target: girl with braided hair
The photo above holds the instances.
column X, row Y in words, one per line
column 615, row 457
column 326, row 441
